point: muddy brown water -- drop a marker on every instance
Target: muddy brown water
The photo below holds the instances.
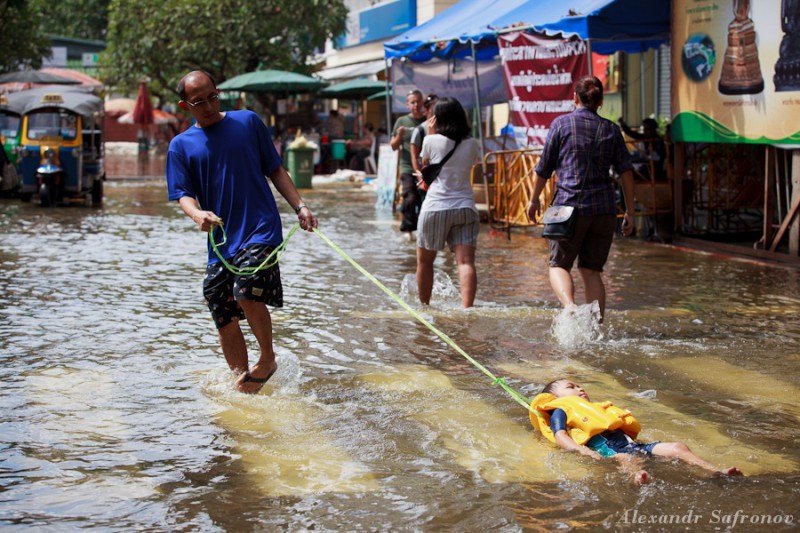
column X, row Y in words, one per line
column 117, row 412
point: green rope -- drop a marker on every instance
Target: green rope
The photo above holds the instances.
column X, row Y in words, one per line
column 281, row 248
column 516, row 395
column 250, row 270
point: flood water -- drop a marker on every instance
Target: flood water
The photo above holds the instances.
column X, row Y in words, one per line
column 116, row 408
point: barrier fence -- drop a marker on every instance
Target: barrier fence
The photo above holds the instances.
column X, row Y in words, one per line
column 507, row 187
column 504, row 190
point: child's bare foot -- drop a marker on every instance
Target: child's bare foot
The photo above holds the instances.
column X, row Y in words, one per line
column 732, row 471
column 642, row 477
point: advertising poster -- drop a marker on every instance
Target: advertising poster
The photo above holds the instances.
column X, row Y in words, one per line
column 736, row 71
column 540, row 75
column 455, row 78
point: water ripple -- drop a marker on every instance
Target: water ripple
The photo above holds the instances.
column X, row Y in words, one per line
column 117, row 409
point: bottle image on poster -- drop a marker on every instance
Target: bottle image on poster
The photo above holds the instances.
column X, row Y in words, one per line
column 741, row 70
column 787, row 68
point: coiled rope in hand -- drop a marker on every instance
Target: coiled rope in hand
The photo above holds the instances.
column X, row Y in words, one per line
column 277, row 253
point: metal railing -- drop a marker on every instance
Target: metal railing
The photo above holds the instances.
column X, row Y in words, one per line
column 507, row 186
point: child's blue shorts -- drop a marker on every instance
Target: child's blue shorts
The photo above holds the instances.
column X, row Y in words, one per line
column 611, row 443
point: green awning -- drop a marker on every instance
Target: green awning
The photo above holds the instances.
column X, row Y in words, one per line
column 380, row 96
column 357, row 88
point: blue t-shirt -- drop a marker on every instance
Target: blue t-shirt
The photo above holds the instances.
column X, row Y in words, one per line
column 224, row 167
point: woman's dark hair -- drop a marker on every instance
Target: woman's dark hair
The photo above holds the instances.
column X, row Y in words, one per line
column 430, row 100
column 548, row 389
column 451, row 119
column 590, row 92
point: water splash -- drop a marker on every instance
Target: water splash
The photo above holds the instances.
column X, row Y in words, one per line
column 577, row 326
column 408, row 289
column 444, row 290
column 649, row 394
column 444, row 293
column 220, row 383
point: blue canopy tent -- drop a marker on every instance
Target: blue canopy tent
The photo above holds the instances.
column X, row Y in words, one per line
column 462, row 30
column 610, row 25
column 457, row 25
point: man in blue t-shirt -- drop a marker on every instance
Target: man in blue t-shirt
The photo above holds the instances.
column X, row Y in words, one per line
column 217, row 171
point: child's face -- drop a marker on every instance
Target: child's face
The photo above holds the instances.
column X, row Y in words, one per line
column 567, row 388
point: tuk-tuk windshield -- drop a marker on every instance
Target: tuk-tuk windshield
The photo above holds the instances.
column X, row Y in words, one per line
column 56, row 123
column 9, row 125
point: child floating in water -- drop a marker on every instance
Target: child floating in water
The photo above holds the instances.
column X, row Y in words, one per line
column 565, row 415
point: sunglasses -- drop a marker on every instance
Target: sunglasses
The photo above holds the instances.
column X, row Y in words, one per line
column 210, row 100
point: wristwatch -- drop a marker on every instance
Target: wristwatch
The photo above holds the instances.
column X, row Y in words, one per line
column 299, row 207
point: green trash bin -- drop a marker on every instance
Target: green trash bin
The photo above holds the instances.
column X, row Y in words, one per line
column 338, row 150
column 300, row 164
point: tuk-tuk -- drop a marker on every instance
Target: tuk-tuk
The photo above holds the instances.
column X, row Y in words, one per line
column 61, row 146
column 10, row 119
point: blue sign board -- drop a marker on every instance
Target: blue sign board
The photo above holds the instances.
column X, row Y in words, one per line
column 379, row 22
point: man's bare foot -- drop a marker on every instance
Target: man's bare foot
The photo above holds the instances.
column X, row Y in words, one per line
column 642, row 477
column 410, row 236
column 253, row 380
column 732, row 471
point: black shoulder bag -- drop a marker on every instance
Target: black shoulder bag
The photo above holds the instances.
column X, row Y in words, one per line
column 431, row 171
column 559, row 220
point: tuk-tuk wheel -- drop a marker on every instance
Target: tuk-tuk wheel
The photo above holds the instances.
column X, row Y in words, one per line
column 97, row 192
column 46, row 196
column 25, row 197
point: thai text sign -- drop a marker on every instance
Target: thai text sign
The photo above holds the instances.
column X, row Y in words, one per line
column 540, row 75
column 734, row 71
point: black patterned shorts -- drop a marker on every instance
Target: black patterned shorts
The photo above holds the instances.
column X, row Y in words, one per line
column 222, row 288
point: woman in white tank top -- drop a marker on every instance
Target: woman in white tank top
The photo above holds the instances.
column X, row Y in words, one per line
column 448, row 214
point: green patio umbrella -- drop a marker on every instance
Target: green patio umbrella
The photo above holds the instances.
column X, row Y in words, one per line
column 380, row 96
column 36, row 76
column 358, row 88
column 271, row 81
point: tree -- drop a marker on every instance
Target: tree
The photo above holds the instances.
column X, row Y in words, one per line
column 79, row 19
column 22, row 39
column 164, row 39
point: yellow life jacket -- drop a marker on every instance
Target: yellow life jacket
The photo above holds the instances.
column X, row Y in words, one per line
column 584, row 419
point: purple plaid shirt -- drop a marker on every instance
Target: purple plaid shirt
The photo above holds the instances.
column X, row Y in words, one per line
column 566, row 153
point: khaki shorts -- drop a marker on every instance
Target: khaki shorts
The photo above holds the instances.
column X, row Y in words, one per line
column 449, row 226
column 591, row 243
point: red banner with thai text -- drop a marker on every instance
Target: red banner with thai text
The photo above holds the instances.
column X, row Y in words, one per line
column 540, row 75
